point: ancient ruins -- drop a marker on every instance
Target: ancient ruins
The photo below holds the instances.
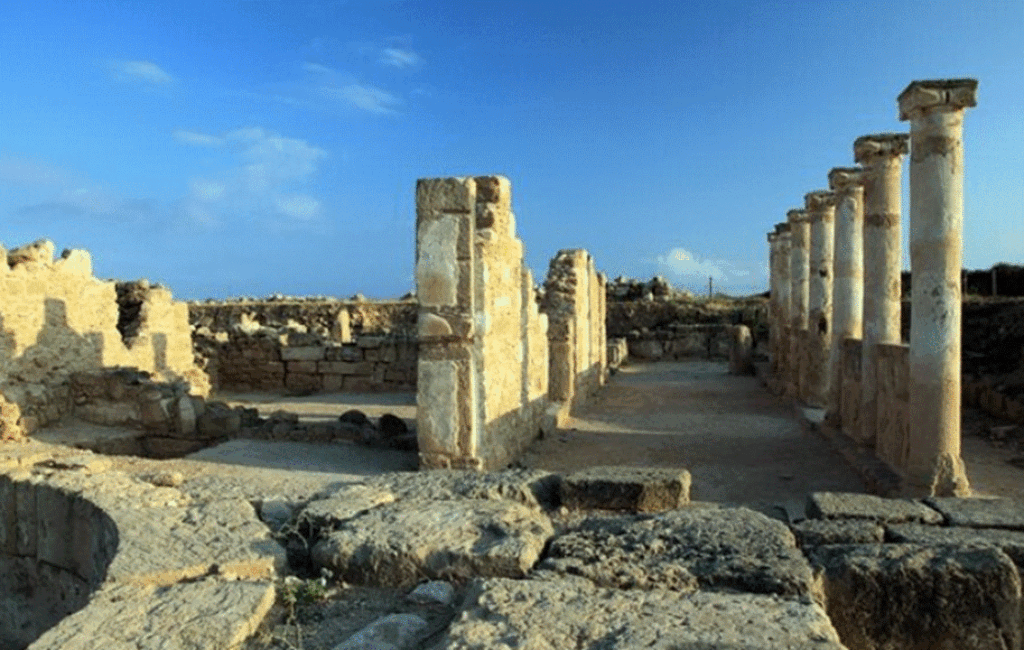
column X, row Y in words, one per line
column 122, row 530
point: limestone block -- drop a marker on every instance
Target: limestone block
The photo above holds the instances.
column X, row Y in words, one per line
column 332, row 383
column 1010, row 542
column 8, row 517
column 457, row 195
column 627, row 488
column 342, row 505
column 531, row 487
column 521, row 614
column 303, row 353
column 26, row 526
column 438, row 419
column 402, row 543
column 980, row 512
column 912, row 596
column 38, row 253
column 74, row 262
column 302, row 367
column 850, row 505
column 683, row 550
column 371, row 342
column 437, row 268
column 124, row 617
column 815, row 532
column 646, row 349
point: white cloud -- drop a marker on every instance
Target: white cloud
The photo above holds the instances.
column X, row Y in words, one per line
column 145, row 71
column 684, row 268
column 399, row 58
column 316, row 68
column 197, row 139
column 368, row 98
column 264, row 185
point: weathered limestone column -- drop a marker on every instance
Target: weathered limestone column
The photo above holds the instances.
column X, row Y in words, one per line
column 821, row 207
column 446, row 420
column 881, row 157
column 935, row 110
column 782, row 320
column 848, row 287
column 774, row 322
column 799, row 267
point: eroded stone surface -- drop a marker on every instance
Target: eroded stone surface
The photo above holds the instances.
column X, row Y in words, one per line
column 576, row 614
column 1010, row 542
column 532, row 487
column 346, row 503
column 401, row 543
column 728, row 548
column 392, row 632
column 644, row 489
column 849, row 505
column 980, row 513
column 200, row 615
column 815, row 532
column 913, row 596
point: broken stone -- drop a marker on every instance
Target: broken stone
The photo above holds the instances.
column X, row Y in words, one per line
column 1010, row 542
column 402, row 543
column 526, row 614
column 980, row 512
column 642, row 489
column 912, row 596
column 435, row 592
column 392, row 632
column 815, row 532
column 532, row 487
column 850, row 505
column 683, row 550
column 342, row 505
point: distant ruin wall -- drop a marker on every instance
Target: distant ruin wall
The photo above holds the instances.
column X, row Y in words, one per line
column 482, row 375
column 574, row 301
column 57, row 319
column 307, row 346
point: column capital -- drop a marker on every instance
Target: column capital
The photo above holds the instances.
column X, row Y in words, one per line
column 937, row 95
column 796, row 216
column 843, row 178
column 877, row 145
column 819, row 200
column 782, row 228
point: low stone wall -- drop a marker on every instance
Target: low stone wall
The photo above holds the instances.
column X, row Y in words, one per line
column 57, row 319
column 681, row 341
column 893, row 435
column 850, row 397
column 307, row 346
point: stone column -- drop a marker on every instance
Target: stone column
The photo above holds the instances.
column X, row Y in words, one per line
column 821, row 208
column 782, row 320
column 881, row 157
column 774, row 323
column 848, row 287
column 799, row 260
column 935, row 110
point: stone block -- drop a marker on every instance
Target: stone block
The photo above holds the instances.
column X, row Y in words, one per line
column 26, row 526
column 646, row 349
column 370, row 342
column 332, row 383
column 912, row 596
column 733, row 549
column 302, row 382
column 455, row 195
column 850, row 505
column 980, row 512
column 302, row 367
column 391, row 632
column 815, row 532
column 344, row 504
column 1010, row 542
column 641, row 489
column 219, row 423
column 522, row 614
column 54, row 527
column 402, row 543
column 303, row 353
column 358, row 384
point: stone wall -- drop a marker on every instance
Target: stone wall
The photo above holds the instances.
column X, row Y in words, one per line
column 681, row 341
column 482, row 376
column 850, row 398
column 892, row 444
column 574, row 301
column 307, row 346
column 57, row 319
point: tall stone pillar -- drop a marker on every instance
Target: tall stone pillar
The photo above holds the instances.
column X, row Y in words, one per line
column 799, row 260
column 881, row 157
column 935, row 110
column 774, row 322
column 821, row 207
column 783, row 319
column 848, row 287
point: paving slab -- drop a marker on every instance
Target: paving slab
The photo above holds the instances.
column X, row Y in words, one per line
column 532, row 614
column 399, row 544
column 640, row 489
column 980, row 513
column 683, row 550
column 343, row 504
column 532, row 487
column 916, row 596
column 815, row 532
column 850, row 505
column 204, row 615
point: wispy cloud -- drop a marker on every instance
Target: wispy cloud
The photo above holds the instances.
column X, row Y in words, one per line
column 264, row 184
column 145, row 71
column 368, row 98
column 399, row 58
column 316, row 68
column 685, row 268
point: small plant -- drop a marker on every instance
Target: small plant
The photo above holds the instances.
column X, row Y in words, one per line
column 302, row 593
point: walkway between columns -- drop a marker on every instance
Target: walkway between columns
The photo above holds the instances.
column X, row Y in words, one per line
column 741, row 444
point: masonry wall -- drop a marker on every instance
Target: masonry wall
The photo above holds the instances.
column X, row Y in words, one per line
column 893, row 437
column 482, row 371
column 307, row 346
column 850, row 397
column 574, row 301
column 57, row 319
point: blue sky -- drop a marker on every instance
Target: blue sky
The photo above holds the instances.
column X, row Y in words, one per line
column 256, row 146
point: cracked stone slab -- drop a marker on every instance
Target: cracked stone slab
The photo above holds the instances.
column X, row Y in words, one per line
column 344, row 504
column 914, row 596
column 203, row 615
column 851, row 505
column 683, row 550
column 1010, row 542
column 522, row 614
column 640, row 489
column 980, row 513
column 401, row 543
column 532, row 487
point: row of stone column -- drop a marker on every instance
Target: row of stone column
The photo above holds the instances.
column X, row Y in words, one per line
column 835, row 275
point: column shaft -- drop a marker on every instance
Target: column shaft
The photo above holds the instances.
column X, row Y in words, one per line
column 935, row 111
column 881, row 157
column 821, row 211
column 799, row 258
column 782, row 274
